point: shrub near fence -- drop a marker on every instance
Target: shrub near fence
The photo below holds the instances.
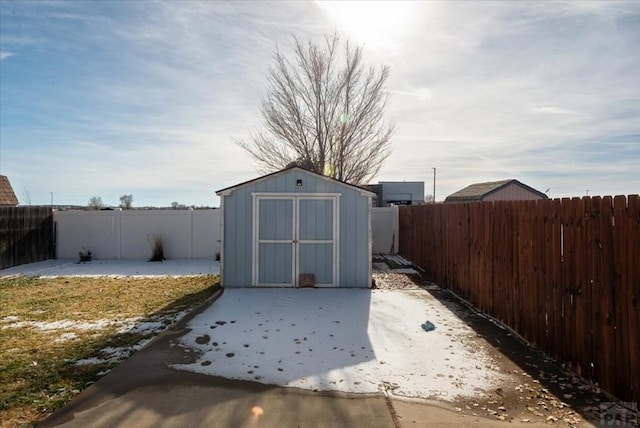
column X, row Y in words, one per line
column 26, row 235
column 563, row 273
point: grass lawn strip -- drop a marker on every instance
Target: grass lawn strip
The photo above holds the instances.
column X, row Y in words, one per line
column 59, row 335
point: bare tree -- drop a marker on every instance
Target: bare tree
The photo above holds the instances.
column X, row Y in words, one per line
column 95, row 203
column 126, row 201
column 323, row 110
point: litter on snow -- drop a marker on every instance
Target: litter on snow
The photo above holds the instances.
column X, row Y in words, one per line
column 428, row 326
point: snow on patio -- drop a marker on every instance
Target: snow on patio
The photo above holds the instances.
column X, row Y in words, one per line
column 349, row 340
column 115, row 268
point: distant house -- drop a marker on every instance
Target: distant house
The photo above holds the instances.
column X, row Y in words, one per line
column 505, row 190
column 397, row 193
column 7, row 197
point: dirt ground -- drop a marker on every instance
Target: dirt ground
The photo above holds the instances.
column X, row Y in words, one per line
column 540, row 389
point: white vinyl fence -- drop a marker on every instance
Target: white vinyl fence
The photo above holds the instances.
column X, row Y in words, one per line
column 186, row 234
column 384, row 230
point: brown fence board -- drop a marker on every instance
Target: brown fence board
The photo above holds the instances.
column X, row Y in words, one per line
column 633, row 266
column 607, row 340
column 572, row 257
column 531, row 302
column 475, row 253
column 487, row 280
column 566, row 284
column 621, row 293
column 563, row 273
column 542, row 291
column 438, row 247
column 556, row 331
column 524, row 264
column 586, row 292
column 592, row 305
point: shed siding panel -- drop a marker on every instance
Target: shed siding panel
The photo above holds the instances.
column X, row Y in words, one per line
column 512, row 192
column 362, row 240
column 245, row 225
column 275, row 262
column 230, row 240
column 275, row 219
column 238, row 233
column 320, row 262
column 354, row 235
column 316, row 219
column 347, row 241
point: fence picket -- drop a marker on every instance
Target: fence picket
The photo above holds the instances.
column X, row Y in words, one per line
column 554, row 311
column 633, row 273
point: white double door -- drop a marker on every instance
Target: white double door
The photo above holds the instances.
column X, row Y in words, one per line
column 295, row 234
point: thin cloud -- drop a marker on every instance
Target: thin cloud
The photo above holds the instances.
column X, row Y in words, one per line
column 5, row 54
column 420, row 93
column 553, row 110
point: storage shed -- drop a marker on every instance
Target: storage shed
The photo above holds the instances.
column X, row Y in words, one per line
column 295, row 228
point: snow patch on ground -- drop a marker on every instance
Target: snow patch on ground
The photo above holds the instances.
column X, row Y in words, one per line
column 115, row 268
column 64, row 325
column 134, row 325
column 150, row 325
column 349, row 340
column 89, row 361
column 65, row 337
column 113, row 355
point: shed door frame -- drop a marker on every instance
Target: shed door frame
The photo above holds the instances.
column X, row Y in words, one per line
column 295, row 198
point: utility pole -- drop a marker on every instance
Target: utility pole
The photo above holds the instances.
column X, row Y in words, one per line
column 51, row 199
column 434, row 185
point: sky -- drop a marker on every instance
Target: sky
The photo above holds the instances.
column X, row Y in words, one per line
column 146, row 98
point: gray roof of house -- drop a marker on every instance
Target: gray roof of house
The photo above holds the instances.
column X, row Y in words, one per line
column 478, row 191
column 7, row 197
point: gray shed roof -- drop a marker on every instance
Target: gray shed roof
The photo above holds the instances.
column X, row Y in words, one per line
column 478, row 191
column 7, row 197
column 221, row 192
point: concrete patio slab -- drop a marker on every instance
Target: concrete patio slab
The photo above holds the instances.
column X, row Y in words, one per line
column 146, row 391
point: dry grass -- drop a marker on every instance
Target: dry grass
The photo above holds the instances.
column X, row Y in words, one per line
column 38, row 373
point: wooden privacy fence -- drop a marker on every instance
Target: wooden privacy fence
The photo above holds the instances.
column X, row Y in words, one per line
column 563, row 273
column 26, row 235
